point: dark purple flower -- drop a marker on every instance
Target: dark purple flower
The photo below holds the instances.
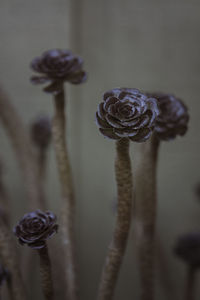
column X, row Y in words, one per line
column 57, row 66
column 173, row 118
column 127, row 113
column 35, row 228
column 188, row 249
column 41, row 132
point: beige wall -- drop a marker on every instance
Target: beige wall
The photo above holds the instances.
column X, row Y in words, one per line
column 150, row 45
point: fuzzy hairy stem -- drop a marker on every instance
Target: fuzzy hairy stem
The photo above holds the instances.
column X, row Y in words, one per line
column 190, row 283
column 45, row 273
column 117, row 247
column 146, row 204
column 22, row 146
column 67, row 222
column 10, row 261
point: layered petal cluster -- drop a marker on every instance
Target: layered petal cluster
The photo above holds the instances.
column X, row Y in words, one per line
column 127, row 113
column 41, row 132
column 188, row 249
column 173, row 118
column 57, row 66
column 35, row 228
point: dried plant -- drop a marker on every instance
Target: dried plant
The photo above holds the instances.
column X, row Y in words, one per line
column 33, row 230
column 58, row 66
column 171, row 121
column 124, row 115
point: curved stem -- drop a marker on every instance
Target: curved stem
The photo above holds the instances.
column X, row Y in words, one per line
column 10, row 261
column 45, row 273
column 5, row 208
column 21, row 143
column 41, row 166
column 119, row 240
column 164, row 273
column 68, row 205
column 190, row 283
column 146, row 204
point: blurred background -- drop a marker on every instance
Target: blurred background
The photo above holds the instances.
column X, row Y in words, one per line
column 150, row 45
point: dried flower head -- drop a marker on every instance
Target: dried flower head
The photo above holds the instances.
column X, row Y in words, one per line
column 3, row 274
column 35, row 228
column 127, row 113
column 173, row 118
column 41, row 132
column 57, row 66
column 188, row 249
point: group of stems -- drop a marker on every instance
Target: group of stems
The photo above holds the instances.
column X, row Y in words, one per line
column 22, row 145
column 124, row 181
column 146, row 203
column 8, row 255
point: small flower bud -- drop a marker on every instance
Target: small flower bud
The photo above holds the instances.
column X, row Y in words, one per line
column 41, row 132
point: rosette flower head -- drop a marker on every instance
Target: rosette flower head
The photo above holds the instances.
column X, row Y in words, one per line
column 35, row 228
column 41, row 132
column 127, row 113
column 188, row 249
column 57, row 66
column 173, row 118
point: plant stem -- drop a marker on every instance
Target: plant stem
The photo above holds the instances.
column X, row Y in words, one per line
column 117, row 247
column 21, row 143
column 164, row 274
column 41, row 166
column 190, row 283
column 67, row 191
column 146, row 204
column 10, row 261
column 5, row 209
column 45, row 273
